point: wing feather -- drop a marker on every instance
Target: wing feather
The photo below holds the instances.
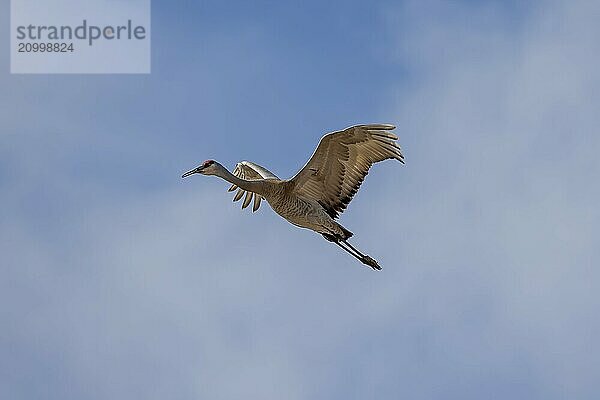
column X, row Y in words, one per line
column 238, row 195
column 247, row 199
column 250, row 171
column 257, row 200
column 341, row 161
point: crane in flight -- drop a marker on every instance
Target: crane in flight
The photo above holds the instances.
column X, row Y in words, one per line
column 322, row 189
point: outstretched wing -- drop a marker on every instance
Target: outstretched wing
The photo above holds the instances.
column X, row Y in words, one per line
column 341, row 161
column 249, row 171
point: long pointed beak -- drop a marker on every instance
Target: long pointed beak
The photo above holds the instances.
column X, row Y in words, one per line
column 192, row 172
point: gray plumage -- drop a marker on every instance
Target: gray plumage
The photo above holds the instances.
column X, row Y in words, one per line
column 323, row 188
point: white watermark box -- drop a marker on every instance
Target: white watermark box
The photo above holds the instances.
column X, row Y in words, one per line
column 80, row 36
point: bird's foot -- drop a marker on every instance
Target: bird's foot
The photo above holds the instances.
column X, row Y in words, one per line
column 371, row 263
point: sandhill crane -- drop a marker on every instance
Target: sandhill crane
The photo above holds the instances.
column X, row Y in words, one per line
column 322, row 189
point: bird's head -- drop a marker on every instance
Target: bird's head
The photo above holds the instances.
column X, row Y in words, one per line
column 208, row 167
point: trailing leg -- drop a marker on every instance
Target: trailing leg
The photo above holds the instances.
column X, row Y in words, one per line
column 371, row 262
column 365, row 259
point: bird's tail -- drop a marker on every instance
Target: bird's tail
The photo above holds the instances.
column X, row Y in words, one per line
column 347, row 233
column 343, row 236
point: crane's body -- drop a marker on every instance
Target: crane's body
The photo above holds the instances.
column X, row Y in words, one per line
column 322, row 189
column 303, row 212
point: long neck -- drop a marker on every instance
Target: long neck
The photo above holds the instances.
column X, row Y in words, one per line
column 256, row 186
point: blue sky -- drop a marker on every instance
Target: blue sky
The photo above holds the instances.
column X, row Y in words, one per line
column 121, row 281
